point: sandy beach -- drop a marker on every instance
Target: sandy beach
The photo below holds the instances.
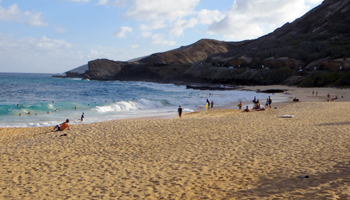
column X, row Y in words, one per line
column 210, row 154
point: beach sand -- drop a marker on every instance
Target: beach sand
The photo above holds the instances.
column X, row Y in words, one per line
column 213, row 154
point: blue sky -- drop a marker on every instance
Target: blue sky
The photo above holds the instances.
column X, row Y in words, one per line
column 54, row 36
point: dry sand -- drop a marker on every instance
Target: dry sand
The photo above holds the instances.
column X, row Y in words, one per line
column 215, row 154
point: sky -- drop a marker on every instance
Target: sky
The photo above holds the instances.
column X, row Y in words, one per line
column 55, row 36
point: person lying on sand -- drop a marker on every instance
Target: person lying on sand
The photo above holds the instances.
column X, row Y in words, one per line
column 62, row 126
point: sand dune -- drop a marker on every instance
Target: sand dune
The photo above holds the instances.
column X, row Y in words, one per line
column 215, row 154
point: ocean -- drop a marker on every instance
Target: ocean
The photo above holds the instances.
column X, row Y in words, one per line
column 53, row 100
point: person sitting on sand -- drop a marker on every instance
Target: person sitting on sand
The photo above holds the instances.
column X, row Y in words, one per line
column 62, row 126
column 247, row 109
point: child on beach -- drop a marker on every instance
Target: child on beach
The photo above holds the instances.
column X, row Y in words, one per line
column 62, row 126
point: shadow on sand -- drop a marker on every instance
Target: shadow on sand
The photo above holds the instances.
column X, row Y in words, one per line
column 280, row 187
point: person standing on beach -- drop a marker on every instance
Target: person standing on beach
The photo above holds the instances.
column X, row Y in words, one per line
column 270, row 101
column 82, row 117
column 240, row 105
column 212, row 104
column 179, row 111
column 207, row 105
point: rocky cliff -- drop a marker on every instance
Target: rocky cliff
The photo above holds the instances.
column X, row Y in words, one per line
column 103, row 69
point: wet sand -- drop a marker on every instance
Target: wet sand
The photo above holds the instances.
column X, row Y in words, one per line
column 213, row 154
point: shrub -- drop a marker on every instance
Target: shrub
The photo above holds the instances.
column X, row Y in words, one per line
column 320, row 80
column 279, row 75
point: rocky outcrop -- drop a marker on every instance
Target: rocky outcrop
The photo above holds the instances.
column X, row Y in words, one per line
column 103, row 69
column 138, row 73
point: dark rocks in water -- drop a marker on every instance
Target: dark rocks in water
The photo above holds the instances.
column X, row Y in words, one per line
column 207, row 87
column 271, row 91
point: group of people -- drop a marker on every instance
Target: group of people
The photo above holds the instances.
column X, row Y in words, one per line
column 257, row 106
column 209, row 105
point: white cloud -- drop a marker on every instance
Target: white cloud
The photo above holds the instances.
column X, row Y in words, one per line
column 83, row 1
column 314, row 1
column 145, row 34
column 209, row 16
column 170, row 10
column 47, row 55
column 179, row 26
column 159, row 40
column 34, row 55
column 249, row 19
column 135, row 46
column 49, row 44
column 93, row 52
column 122, row 32
column 14, row 14
column 59, row 29
column 156, row 24
column 111, row 3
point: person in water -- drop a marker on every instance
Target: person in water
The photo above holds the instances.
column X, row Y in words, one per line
column 62, row 126
column 179, row 111
column 82, row 117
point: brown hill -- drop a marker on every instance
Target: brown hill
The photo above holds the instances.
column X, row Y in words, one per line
column 196, row 52
column 321, row 39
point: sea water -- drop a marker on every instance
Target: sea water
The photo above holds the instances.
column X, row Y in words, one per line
column 53, row 100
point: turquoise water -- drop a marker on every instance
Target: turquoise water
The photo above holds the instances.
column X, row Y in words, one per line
column 99, row 100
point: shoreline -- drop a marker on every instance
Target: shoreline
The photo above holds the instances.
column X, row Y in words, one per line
column 303, row 94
